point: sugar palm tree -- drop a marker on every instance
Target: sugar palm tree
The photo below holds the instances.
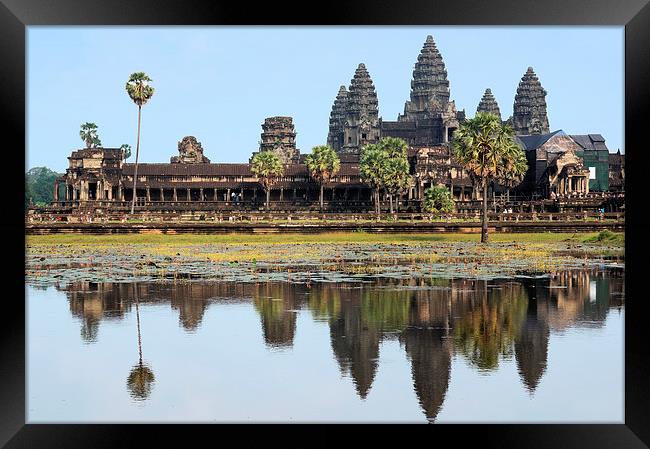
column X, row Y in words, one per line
column 323, row 163
column 126, row 151
column 371, row 168
column 266, row 165
column 486, row 148
column 140, row 92
column 141, row 376
column 88, row 134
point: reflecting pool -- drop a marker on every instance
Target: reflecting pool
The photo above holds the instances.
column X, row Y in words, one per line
column 524, row 349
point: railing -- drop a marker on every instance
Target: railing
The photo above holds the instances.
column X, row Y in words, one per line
column 247, row 216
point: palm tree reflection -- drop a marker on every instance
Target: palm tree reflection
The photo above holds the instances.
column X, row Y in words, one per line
column 141, row 377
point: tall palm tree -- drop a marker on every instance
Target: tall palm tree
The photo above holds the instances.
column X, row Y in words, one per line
column 266, row 165
column 88, row 134
column 323, row 163
column 486, row 148
column 371, row 168
column 141, row 376
column 140, row 92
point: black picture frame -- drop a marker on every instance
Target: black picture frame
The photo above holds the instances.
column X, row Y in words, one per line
column 15, row 15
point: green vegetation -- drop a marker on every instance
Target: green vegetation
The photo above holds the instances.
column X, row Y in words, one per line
column 325, row 238
column 39, row 182
column 607, row 236
column 437, row 199
column 384, row 165
column 140, row 92
column 322, row 163
column 486, row 148
column 267, row 166
column 126, row 151
column 88, row 134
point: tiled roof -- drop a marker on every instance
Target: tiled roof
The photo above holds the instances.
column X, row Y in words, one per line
column 590, row 141
column 534, row 141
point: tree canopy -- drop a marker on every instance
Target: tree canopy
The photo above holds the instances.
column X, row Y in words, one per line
column 486, row 148
column 138, row 88
column 88, row 134
column 322, row 163
column 437, row 199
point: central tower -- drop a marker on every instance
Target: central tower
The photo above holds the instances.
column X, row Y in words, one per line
column 429, row 86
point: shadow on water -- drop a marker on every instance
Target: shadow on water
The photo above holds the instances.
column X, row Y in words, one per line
column 483, row 322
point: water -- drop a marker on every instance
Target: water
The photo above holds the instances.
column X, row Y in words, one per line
column 546, row 349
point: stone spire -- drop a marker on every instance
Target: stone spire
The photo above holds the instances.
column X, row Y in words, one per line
column 337, row 120
column 279, row 135
column 362, row 113
column 489, row 104
column 429, row 87
column 529, row 111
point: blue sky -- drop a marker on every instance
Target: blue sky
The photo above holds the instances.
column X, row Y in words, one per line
column 219, row 83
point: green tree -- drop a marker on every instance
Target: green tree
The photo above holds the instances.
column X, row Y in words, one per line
column 486, row 148
column 395, row 173
column 140, row 92
column 39, row 186
column 437, row 199
column 266, row 165
column 88, row 134
column 126, row 151
column 371, row 168
column 323, row 163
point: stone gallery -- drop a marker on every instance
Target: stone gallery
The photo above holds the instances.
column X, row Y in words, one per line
column 561, row 167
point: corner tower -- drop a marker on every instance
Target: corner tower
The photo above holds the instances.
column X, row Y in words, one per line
column 529, row 111
column 361, row 123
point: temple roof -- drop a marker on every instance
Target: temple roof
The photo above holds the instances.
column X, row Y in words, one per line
column 594, row 142
column 534, row 141
column 347, row 169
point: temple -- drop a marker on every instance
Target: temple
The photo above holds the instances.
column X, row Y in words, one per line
column 561, row 166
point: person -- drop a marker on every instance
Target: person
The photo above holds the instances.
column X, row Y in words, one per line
column 233, row 197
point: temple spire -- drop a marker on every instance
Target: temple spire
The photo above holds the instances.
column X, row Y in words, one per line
column 337, row 120
column 362, row 112
column 529, row 111
column 429, row 86
column 489, row 104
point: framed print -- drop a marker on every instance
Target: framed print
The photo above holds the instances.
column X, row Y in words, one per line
column 413, row 213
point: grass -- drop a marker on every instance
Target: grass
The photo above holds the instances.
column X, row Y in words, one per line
column 604, row 237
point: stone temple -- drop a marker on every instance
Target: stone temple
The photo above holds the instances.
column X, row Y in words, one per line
column 561, row 166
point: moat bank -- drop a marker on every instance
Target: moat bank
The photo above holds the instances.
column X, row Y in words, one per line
column 316, row 227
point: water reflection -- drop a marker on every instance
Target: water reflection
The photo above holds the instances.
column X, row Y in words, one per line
column 483, row 322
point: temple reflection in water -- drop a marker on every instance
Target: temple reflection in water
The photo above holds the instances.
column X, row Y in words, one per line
column 433, row 320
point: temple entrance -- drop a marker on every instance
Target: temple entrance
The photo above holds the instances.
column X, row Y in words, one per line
column 92, row 190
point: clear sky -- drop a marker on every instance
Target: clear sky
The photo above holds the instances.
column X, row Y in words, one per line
column 219, row 83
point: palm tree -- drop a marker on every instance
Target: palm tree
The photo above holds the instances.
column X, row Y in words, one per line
column 140, row 92
column 486, row 148
column 266, row 165
column 88, row 134
column 323, row 163
column 396, row 175
column 371, row 168
column 141, row 376
column 126, row 151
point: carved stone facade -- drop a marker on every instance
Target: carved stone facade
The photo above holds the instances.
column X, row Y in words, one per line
column 489, row 104
column 529, row 110
column 279, row 136
column 190, row 151
column 337, row 120
column 361, row 125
